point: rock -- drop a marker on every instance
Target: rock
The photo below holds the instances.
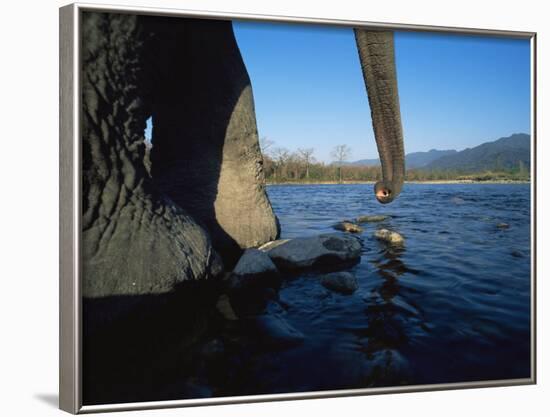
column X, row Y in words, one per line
column 457, row 200
column 274, row 331
column 389, row 236
column 255, row 269
column 224, row 307
column 252, row 283
column 341, row 282
column 347, row 226
column 503, row 226
column 332, row 250
column 371, row 219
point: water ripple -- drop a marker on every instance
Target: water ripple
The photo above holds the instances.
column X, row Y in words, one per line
column 451, row 305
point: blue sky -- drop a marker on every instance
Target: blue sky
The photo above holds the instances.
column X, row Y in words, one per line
column 456, row 91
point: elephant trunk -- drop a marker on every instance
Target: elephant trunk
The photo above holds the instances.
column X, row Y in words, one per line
column 377, row 56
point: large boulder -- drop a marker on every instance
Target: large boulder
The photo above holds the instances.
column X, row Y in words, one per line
column 333, row 250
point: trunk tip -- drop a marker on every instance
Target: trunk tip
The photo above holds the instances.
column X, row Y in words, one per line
column 385, row 193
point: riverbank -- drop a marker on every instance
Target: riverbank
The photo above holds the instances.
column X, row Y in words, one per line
column 406, row 182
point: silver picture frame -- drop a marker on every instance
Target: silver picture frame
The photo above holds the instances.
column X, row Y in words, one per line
column 70, row 308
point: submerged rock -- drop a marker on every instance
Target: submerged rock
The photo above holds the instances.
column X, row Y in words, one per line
column 341, row 282
column 332, row 250
column 503, row 226
column 389, row 236
column 457, row 200
column 347, row 226
column 371, row 219
column 274, row 331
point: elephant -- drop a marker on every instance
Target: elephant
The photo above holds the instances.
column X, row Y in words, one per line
column 204, row 200
column 160, row 230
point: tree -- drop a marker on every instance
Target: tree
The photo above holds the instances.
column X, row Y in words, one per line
column 340, row 154
column 265, row 144
column 280, row 157
column 306, row 154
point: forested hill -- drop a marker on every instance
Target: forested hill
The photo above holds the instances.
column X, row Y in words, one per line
column 504, row 154
column 505, row 159
column 509, row 153
column 421, row 159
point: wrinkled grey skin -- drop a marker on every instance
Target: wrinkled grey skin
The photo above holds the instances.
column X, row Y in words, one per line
column 206, row 155
column 377, row 56
column 144, row 234
column 153, row 239
column 135, row 240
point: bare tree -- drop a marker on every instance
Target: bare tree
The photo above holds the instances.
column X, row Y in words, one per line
column 306, row 154
column 340, row 154
column 265, row 144
column 280, row 156
column 269, row 165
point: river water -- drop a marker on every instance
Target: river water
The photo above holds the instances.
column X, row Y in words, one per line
column 451, row 305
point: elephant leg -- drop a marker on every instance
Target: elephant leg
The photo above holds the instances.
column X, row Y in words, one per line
column 206, row 154
column 135, row 241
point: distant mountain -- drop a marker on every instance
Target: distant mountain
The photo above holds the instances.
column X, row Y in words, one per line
column 503, row 154
column 412, row 160
column 421, row 159
column 364, row 162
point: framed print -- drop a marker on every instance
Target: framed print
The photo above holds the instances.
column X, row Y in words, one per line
column 258, row 208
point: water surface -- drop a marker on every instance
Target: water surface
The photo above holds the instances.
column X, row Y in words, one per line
column 451, row 305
